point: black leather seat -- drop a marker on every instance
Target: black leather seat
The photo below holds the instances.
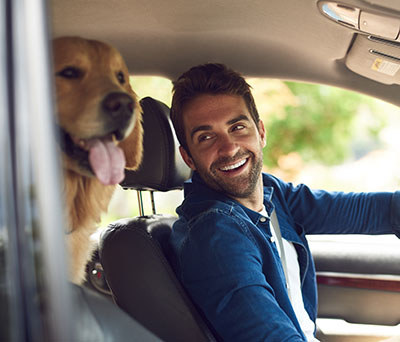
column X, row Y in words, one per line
column 135, row 253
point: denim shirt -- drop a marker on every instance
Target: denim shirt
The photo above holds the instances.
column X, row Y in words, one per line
column 230, row 267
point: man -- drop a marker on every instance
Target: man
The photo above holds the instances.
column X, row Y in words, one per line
column 251, row 284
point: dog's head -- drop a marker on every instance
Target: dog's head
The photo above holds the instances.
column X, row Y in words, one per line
column 98, row 112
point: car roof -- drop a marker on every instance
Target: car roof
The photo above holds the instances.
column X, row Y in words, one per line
column 285, row 39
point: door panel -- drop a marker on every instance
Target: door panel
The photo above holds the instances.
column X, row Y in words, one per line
column 357, row 305
column 359, row 283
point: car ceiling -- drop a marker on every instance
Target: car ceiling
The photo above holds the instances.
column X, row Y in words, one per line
column 286, row 39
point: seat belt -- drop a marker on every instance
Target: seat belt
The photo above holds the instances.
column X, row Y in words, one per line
column 275, row 224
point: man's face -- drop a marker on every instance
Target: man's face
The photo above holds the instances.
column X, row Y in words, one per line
column 225, row 144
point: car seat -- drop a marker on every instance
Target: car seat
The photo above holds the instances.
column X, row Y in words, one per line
column 135, row 253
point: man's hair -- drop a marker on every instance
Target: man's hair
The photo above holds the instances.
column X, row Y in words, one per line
column 213, row 79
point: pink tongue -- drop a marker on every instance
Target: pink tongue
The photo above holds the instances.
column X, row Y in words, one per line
column 107, row 161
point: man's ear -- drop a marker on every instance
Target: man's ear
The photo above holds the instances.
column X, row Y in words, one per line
column 186, row 158
column 263, row 134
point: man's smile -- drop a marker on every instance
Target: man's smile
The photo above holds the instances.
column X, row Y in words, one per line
column 235, row 166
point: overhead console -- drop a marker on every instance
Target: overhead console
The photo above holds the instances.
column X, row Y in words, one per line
column 375, row 52
column 375, row 58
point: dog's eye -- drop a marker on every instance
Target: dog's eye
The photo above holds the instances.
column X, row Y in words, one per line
column 70, row 72
column 121, row 77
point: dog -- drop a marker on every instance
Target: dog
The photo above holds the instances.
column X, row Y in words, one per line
column 99, row 119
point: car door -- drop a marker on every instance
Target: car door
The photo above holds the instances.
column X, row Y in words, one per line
column 358, row 286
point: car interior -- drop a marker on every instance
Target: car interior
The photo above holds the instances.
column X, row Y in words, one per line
column 131, row 292
column 138, row 248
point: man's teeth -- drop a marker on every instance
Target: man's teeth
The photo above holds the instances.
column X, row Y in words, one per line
column 234, row 166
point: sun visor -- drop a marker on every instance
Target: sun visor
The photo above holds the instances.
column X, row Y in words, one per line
column 375, row 58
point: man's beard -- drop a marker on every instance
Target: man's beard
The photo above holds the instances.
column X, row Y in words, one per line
column 238, row 187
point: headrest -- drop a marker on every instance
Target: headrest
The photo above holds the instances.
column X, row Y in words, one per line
column 162, row 167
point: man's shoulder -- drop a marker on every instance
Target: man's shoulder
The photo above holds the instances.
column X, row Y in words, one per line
column 208, row 211
column 200, row 199
column 271, row 180
column 196, row 207
column 204, row 222
column 214, row 229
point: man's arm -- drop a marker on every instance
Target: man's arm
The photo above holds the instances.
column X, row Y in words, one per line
column 323, row 212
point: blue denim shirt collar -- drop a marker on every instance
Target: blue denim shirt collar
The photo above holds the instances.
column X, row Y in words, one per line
column 205, row 193
column 207, row 196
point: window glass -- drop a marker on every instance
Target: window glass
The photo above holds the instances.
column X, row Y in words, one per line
column 328, row 137
column 159, row 88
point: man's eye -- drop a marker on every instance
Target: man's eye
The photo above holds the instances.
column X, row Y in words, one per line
column 204, row 137
column 237, row 127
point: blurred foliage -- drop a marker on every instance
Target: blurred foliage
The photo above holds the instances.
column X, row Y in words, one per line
column 314, row 122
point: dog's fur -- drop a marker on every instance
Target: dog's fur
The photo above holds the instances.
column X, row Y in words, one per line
column 94, row 103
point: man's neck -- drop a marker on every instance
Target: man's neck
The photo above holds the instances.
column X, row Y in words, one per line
column 256, row 199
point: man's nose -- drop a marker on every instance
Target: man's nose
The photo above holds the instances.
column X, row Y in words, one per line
column 227, row 145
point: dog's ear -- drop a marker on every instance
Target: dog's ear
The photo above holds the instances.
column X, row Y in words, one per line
column 133, row 144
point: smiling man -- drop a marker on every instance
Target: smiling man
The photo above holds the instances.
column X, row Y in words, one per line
column 240, row 238
column 227, row 150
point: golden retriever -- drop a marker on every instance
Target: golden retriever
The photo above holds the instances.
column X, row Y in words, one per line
column 101, row 132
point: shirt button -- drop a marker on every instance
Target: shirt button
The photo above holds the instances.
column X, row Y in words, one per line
column 272, row 239
column 263, row 219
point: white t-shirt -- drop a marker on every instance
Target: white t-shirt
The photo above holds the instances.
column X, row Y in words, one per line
column 296, row 297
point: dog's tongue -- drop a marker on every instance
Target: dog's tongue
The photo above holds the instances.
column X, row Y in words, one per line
column 107, row 161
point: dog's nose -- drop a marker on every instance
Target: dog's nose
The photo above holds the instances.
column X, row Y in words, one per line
column 118, row 105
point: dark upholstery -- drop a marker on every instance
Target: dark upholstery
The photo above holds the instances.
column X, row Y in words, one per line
column 162, row 168
column 135, row 253
column 143, row 282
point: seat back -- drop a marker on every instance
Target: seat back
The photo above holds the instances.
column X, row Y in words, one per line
column 135, row 253
column 162, row 167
